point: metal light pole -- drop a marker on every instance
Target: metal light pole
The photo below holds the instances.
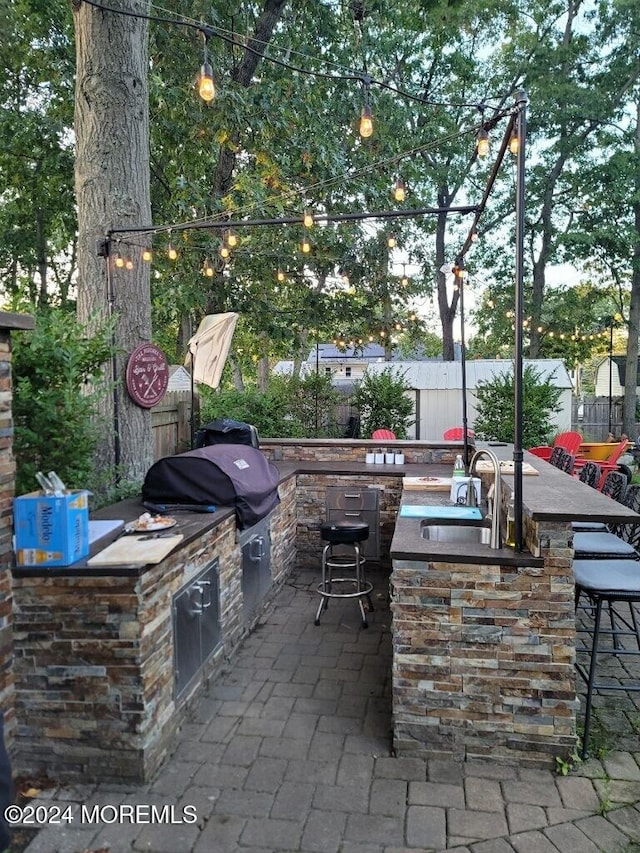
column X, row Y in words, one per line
column 521, row 131
column 610, row 375
column 459, row 273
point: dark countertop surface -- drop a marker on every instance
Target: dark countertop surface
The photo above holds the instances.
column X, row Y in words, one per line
column 550, row 496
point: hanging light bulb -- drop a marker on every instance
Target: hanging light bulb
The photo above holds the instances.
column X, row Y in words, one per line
column 391, row 241
column 474, row 236
column 128, row 264
column 119, row 261
column 305, row 246
column 172, row 254
column 366, row 120
column 404, row 281
column 206, row 87
column 231, row 239
column 514, row 143
column 147, row 255
column 400, row 190
column 482, row 142
column 207, row 269
column 280, row 274
column 225, row 252
column 307, row 219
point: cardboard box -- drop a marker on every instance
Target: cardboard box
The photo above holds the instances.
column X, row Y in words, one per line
column 51, row 531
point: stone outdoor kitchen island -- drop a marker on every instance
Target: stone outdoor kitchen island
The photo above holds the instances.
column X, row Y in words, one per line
column 484, row 640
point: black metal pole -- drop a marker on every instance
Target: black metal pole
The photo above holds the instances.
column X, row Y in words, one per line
column 610, row 376
column 521, row 130
column 463, row 367
column 111, row 301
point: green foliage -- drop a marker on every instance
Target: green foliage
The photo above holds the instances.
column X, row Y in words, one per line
column 291, row 408
column 496, row 412
column 53, row 401
column 382, row 402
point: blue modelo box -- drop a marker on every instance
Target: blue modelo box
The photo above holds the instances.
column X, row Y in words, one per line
column 51, row 531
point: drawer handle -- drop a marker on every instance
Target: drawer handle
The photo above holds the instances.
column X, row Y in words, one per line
column 352, row 514
column 356, row 497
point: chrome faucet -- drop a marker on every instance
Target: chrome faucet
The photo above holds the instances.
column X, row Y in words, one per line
column 496, row 539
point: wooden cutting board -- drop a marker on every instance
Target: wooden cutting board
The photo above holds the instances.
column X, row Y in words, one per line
column 136, row 551
column 427, row 484
column 506, row 467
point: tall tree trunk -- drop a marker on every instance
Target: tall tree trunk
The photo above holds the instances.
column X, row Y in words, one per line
column 631, row 376
column 112, row 189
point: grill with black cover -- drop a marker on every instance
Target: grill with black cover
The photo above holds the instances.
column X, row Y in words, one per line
column 222, row 474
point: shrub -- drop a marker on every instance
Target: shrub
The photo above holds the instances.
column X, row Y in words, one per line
column 290, row 408
column 496, row 410
column 53, row 405
column 383, row 403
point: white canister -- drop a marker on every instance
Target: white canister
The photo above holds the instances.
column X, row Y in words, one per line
column 379, row 458
column 459, row 486
column 389, row 458
column 399, row 458
column 370, row 458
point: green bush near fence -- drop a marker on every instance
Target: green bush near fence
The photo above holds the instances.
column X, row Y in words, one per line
column 496, row 411
column 53, row 367
column 290, row 408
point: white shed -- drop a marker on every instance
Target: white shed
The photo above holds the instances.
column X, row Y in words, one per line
column 436, row 390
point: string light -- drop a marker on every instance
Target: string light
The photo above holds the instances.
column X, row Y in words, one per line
column 225, row 252
column 305, row 246
column 128, row 264
column 366, row 119
column 119, row 261
column 207, row 269
column 280, row 276
column 474, row 235
column 307, row 219
column 172, row 254
column 231, row 239
column 206, row 87
column 514, row 143
column 400, row 190
column 147, row 255
column 482, row 142
column 391, row 241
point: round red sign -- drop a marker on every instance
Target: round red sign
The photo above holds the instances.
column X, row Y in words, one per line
column 147, row 375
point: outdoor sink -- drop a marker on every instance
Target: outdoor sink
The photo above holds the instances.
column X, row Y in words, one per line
column 456, row 532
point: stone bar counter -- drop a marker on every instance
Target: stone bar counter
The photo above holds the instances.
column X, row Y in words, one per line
column 484, row 640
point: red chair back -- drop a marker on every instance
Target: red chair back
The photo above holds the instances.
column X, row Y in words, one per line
column 456, row 434
column 569, row 441
column 383, row 435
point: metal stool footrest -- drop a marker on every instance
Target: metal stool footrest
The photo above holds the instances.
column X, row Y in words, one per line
column 360, row 587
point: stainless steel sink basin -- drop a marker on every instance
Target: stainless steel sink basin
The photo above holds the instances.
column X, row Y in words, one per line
column 463, row 533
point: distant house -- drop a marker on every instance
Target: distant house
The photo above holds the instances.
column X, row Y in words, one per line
column 344, row 367
column 614, row 369
column 436, row 390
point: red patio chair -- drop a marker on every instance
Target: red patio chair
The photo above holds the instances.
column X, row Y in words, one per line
column 456, row 434
column 569, row 441
column 383, row 435
column 542, row 451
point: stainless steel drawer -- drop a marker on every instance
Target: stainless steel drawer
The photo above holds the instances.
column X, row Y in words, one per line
column 352, row 499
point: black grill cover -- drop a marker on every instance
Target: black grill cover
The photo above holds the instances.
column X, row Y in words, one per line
column 223, row 474
column 226, row 431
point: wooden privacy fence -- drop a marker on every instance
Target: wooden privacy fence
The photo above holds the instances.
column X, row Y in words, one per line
column 591, row 418
column 171, row 423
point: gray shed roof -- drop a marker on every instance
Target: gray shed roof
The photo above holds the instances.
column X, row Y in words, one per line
column 447, row 375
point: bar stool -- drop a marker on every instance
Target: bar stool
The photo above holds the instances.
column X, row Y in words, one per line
column 349, row 533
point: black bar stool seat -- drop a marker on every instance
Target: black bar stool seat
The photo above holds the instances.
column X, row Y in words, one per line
column 351, row 585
